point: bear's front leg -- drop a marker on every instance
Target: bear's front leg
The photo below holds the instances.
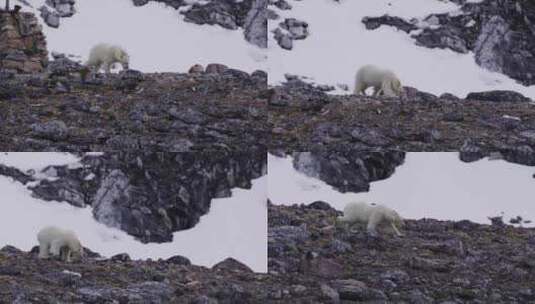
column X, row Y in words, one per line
column 396, row 229
column 43, row 250
column 55, row 248
column 374, row 220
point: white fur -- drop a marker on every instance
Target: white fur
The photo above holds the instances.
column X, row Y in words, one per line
column 105, row 56
column 372, row 216
column 384, row 82
column 59, row 243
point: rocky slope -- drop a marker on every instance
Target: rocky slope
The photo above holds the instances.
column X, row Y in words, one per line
column 217, row 109
column 435, row 262
column 148, row 195
column 26, row 279
column 498, row 32
column 304, row 118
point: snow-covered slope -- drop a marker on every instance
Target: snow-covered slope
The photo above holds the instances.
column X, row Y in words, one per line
column 155, row 35
column 235, row 227
column 339, row 44
column 433, row 185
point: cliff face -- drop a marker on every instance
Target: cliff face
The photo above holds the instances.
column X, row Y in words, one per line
column 22, row 43
column 148, row 195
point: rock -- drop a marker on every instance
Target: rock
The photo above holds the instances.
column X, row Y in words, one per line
column 297, row 29
column 22, row 44
column 49, row 17
column 196, row 69
column 330, row 294
column 359, row 168
column 373, row 23
column 178, row 260
column 121, row 257
column 220, row 13
column 498, row 96
column 320, row 205
column 255, row 25
column 354, row 290
column 140, row 2
column 230, row 264
column 216, row 68
column 54, row 130
column 284, row 40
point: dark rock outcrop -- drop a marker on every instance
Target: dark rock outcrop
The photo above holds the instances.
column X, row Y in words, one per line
column 352, row 171
column 499, row 32
column 148, row 195
column 498, row 96
column 22, row 43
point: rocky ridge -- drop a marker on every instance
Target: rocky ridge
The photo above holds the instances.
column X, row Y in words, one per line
column 147, row 195
column 435, row 262
column 212, row 109
column 304, row 118
column 26, row 279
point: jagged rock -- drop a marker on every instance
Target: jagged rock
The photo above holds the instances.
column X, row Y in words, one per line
column 63, row 66
column 298, row 29
column 498, row 96
column 255, row 24
column 230, row 264
column 373, row 23
column 348, row 172
column 54, row 130
column 178, row 260
column 196, row 69
column 22, row 43
column 121, row 257
column 225, row 13
column 284, row 40
column 64, row 8
column 140, row 2
column 216, row 68
column 49, row 17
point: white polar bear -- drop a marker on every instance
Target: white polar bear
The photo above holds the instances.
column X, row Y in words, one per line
column 106, row 55
column 384, row 82
column 59, row 242
column 372, row 216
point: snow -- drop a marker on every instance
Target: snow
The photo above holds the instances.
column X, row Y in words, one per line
column 428, row 185
column 36, row 161
column 235, row 227
column 155, row 36
column 339, row 44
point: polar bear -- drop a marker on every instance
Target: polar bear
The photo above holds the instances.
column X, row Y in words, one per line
column 106, row 55
column 372, row 216
column 384, row 82
column 60, row 243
